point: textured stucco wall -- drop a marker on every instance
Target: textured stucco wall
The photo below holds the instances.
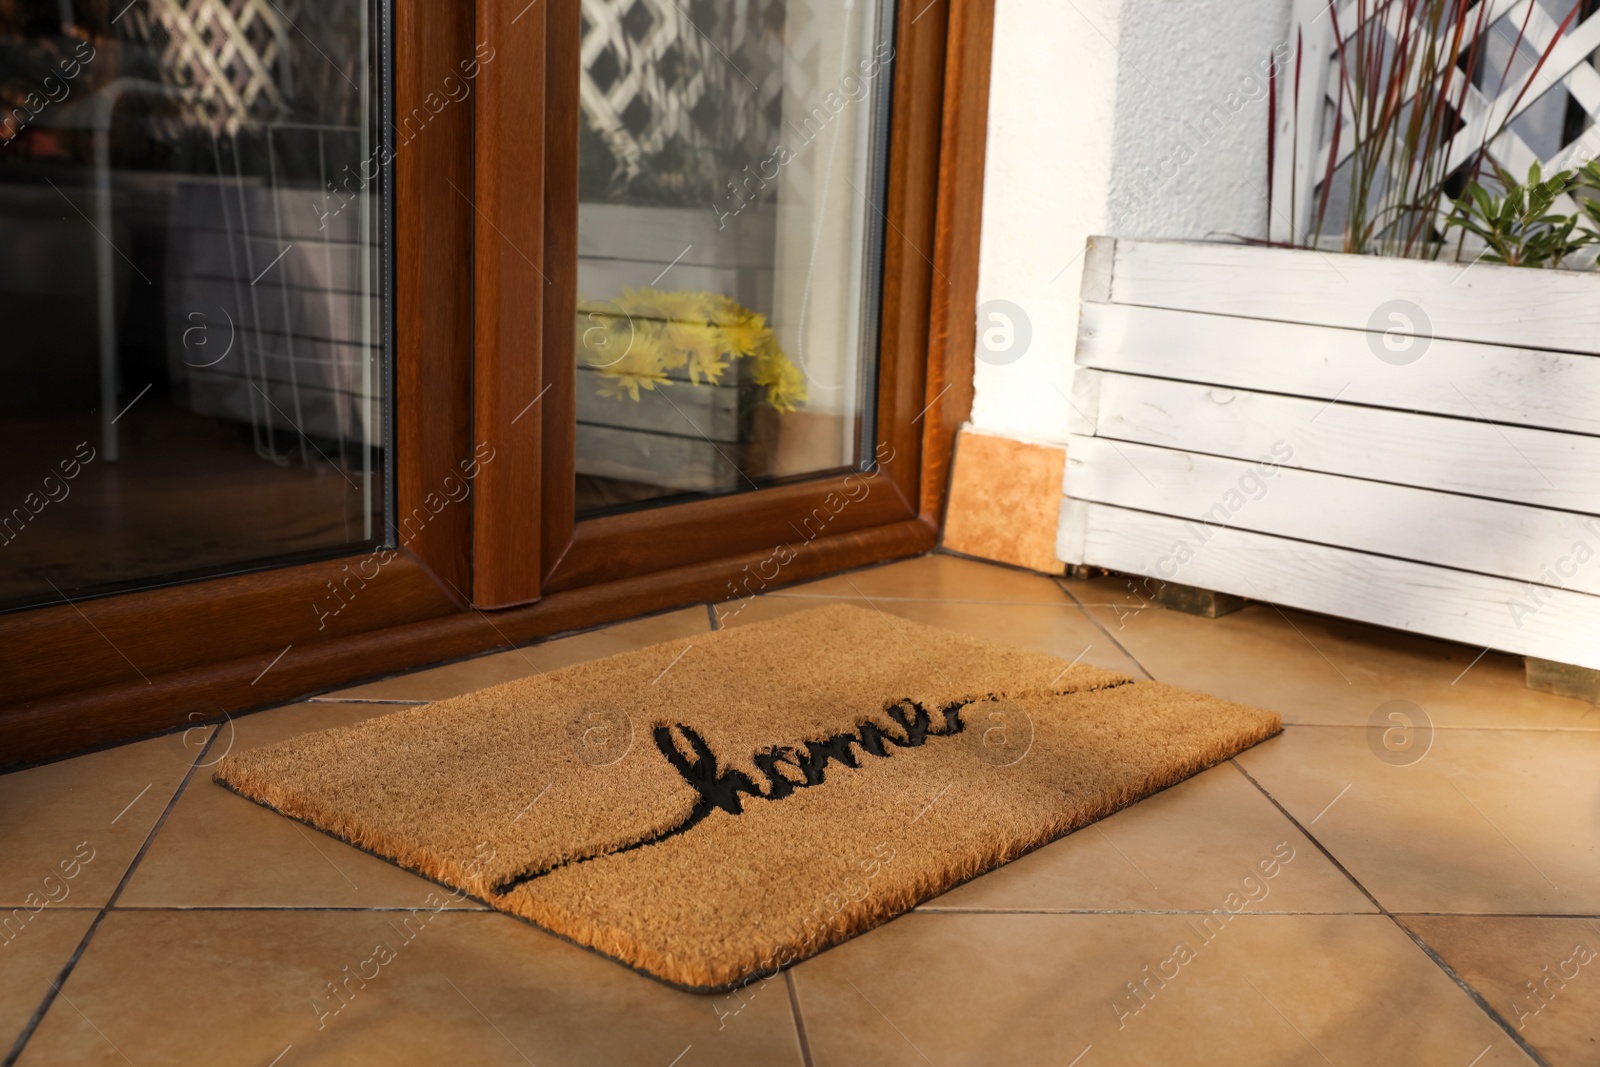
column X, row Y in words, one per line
column 1136, row 118
column 1189, row 152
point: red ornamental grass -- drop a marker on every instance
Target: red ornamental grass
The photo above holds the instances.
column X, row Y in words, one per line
column 1405, row 73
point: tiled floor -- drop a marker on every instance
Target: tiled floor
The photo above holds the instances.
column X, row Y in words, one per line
column 1438, row 903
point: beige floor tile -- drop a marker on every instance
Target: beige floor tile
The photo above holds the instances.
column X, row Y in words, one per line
column 90, row 814
column 33, row 949
column 453, row 679
column 1061, row 629
column 1006, row 969
column 219, row 849
column 1184, row 849
column 937, row 577
column 1487, row 821
column 291, row 720
column 1318, row 670
column 1267, row 989
column 242, row 987
column 1541, row 975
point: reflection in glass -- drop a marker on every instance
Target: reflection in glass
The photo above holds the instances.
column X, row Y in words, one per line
column 191, row 334
column 731, row 166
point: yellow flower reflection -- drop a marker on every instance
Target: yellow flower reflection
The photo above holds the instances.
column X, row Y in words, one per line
column 636, row 340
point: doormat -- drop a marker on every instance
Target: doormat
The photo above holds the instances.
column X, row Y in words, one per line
column 708, row 811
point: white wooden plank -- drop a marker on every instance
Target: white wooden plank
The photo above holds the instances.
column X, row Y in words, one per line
column 1546, row 309
column 1542, row 467
column 1555, row 390
column 1467, row 533
column 1071, row 529
column 602, row 279
column 1084, row 404
column 632, row 231
column 678, row 407
column 689, row 463
column 1098, row 256
column 1476, row 610
column 301, row 313
column 311, row 265
column 244, row 210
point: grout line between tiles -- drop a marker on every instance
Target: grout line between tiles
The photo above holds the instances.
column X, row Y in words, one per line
column 799, row 1020
column 88, row 935
column 1462, row 729
column 1427, row 950
column 1449, row 971
column 914, row 599
column 1101, row 627
column 476, row 910
column 1494, row 915
column 926, row 910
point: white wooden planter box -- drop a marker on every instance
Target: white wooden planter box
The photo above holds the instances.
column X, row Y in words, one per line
column 1239, row 424
column 683, row 436
column 281, row 296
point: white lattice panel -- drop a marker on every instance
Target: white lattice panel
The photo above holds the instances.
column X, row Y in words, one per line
column 653, row 70
column 1569, row 71
column 228, row 51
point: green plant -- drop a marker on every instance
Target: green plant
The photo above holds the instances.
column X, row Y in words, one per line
column 1587, row 180
column 1404, row 73
column 1518, row 225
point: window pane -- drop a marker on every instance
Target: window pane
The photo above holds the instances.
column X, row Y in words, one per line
column 731, row 168
column 192, row 362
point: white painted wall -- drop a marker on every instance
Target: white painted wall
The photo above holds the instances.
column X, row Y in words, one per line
column 1121, row 117
column 1047, row 180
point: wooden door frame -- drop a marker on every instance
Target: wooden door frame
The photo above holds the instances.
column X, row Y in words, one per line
column 580, row 554
column 472, row 407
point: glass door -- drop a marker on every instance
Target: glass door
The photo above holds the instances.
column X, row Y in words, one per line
column 738, row 287
column 731, row 166
column 619, row 305
column 192, row 291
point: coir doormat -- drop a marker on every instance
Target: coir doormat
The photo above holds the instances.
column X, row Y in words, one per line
column 705, row 811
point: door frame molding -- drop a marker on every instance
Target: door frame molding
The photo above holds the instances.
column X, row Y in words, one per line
column 466, row 578
column 578, row 554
